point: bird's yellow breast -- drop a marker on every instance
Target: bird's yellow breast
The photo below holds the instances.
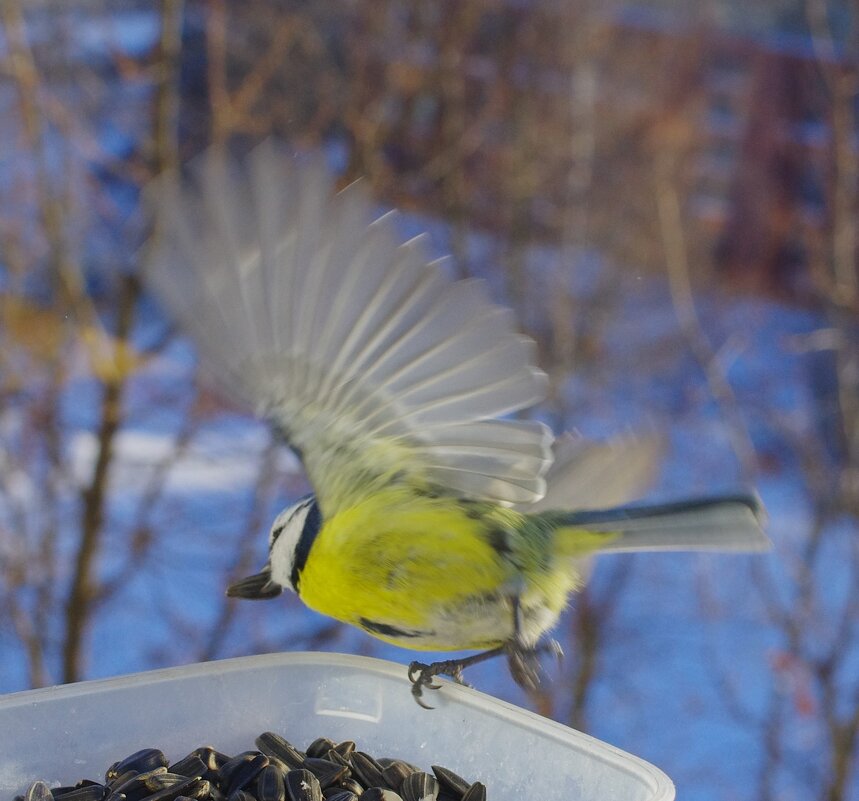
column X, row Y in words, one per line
column 397, row 562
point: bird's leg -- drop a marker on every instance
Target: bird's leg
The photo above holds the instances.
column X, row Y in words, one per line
column 523, row 659
column 421, row 675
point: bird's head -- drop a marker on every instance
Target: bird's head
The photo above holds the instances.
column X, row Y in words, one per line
column 289, row 542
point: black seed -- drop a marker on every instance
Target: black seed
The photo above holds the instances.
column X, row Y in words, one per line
column 216, row 793
column 186, row 786
column 212, row 759
column 202, row 791
column 302, row 785
column 380, row 794
column 89, row 792
column 133, row 787
column 338, row 794
column 477, row 792
column 320, row 747
column 277, row 772
column 225, row 773
column 270, row 785
column 337, row 758
column 162, row 779
column 352, row 785
column 451, row 781
column 386, row 762
column 395, row 773
column 191, row 765
column 245, row 773
column 345, row 748
column 38, row 791
column 275, row 745
column 419, row 786
column 326, row 771
column 241, row 795
column 368, row 770
column 115, row 785
column 142, row 761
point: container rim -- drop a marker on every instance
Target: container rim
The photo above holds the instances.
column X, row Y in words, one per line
column 659, row 783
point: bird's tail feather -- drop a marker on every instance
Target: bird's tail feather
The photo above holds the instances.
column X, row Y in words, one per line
column 723, row 523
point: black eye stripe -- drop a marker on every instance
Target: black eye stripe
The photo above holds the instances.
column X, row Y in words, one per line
column 276, row 532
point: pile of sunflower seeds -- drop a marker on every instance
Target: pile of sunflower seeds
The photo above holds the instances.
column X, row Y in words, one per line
column 276, row 771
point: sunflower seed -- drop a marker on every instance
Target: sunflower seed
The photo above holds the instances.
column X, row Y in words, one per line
column 116, row 784
column 202, row 791
column 380, row 794
column 337, row 794
column 142, row 761
column 134, row 787
column 326, row 771
column 241, row 795
column 320, row 747
column 162, row 779
column 224, row 774
column 477, row 792
column 212, row 759
column 337, row 758
column 88, row 792
column 187, row 786
column 368, row 770
column 345, row 748
column 352, row 785
column 451, row 781
column 190, row 765
column 302, row 785
column 276, row 772
column 274, row 745
column 244, row 773
column 38, row 791
column 270, row 785
column 396, row 772
column 419, row 786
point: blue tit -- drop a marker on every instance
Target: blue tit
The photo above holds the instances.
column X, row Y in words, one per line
column 437, row 521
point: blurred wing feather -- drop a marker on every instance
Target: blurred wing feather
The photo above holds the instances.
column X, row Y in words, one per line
column 597, row 475
column 373, row 363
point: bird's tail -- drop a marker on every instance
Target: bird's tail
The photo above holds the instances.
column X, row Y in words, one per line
column 722, row 523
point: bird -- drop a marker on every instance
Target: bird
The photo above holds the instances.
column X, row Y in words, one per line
column 441, row 518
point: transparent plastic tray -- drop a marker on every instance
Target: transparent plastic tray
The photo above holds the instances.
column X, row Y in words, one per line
column 66, row 733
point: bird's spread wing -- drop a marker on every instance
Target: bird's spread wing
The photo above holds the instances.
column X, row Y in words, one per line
column 373, row 364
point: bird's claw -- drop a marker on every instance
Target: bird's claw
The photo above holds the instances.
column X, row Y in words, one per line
column 524, row 661
column 421, row 676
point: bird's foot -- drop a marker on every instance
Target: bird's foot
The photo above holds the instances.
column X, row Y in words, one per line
column 524, row 661
column 422, row 675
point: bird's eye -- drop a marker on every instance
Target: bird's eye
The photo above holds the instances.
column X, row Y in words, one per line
column 276, row 532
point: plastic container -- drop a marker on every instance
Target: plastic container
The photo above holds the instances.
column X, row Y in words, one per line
column 63, row 734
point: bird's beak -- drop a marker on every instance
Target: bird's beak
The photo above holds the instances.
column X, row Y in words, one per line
column 255, row 587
